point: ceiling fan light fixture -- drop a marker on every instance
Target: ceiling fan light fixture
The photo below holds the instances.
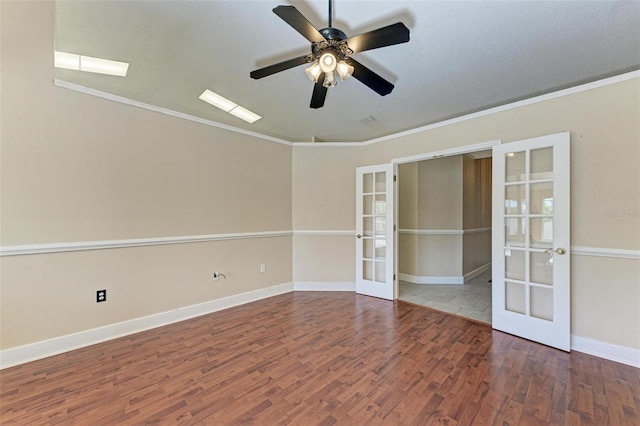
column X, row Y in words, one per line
column 328, row 62
column 329, row 79
column 313, row 72
column 344, row 70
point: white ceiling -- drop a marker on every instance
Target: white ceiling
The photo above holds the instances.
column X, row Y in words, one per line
column 463, row 57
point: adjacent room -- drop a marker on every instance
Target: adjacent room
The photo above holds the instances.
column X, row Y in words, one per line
column 444, row 240
column 223, row 212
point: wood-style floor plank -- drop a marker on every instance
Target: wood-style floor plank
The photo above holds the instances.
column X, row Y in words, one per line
column 321, row 359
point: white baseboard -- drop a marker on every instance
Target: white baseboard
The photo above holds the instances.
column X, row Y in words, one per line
column 471, row 275
column 430, row 279
column 324, row 286
column 34, row 351
column 621, row 354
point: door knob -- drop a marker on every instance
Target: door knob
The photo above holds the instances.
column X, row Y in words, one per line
column 558, row 250
column 358, row 236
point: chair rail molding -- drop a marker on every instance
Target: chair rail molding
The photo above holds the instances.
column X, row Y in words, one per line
column 135, row 242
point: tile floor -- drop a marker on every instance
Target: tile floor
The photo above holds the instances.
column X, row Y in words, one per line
column 471, row 300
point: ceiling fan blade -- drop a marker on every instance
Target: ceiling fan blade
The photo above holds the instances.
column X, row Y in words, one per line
column 319, row 93
column 281, row 66
column 291, row 16
column 386, row 36
column 370, row 78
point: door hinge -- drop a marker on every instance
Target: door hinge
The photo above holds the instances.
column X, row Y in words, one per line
column 394, row 228
column 394, row 277
column 395, row 178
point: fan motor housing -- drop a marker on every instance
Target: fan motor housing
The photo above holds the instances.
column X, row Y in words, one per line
column 331, row 33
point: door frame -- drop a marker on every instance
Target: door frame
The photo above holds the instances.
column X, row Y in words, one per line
column 396, row 207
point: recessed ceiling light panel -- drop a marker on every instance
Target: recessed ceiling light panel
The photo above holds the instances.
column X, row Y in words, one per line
column 217, row 101
column 71, row 61
column 229, row 106
column 245, row 114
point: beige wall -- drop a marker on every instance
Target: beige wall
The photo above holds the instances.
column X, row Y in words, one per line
column 476, row 213
column 319, row 206
column 408, row 218
column 51, row 295
column 605, row 153
column 77, row 168
column 440, row 193
column 451, row 193
column 433, row 190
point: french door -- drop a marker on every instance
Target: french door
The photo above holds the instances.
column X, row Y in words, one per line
column 531, row 241
column 374, row 231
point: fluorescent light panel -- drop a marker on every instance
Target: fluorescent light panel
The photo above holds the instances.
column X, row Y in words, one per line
column 72, row 61
column 218, row 101
column 245, row 114
column 229, row 106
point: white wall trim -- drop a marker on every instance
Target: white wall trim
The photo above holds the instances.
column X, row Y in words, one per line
column 166, row 111
column 605, row 252
column 471, row 275
column 34, row 351
column 27, row 249
column 432, row 231
column 330, row 233
column 326, row 144
column 513, row 105
column 455, row 280
column 137, row 242
column 483, row 146
column 476, row 230
column 323, row 286
column 621, row 354
column 444, row 231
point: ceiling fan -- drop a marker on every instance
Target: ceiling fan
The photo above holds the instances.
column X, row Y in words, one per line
column 331, row 52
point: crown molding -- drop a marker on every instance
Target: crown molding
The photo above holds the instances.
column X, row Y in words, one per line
column 513, row 105
column 530, row 101
column 166, row 111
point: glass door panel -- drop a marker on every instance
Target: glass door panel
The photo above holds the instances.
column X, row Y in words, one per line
column 542, row 268
column 541, row 163
column 367, row 183
column 531, row 272
column 515, row 166
column 515, row 202
column 542, row 198
column 542, row 303
column 514, row 264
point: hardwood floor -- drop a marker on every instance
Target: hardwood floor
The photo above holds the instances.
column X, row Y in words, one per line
column 321, row 358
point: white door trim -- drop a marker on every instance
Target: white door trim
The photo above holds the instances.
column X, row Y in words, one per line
column 447, row 152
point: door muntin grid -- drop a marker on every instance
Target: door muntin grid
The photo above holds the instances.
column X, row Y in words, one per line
column 375, row 226
column 529, row 233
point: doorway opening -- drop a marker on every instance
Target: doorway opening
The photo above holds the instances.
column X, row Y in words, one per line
column 444, row 236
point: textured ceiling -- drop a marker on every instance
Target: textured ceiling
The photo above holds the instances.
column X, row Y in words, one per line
column 462, row 57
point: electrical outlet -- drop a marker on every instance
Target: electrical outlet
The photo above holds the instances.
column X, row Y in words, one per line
column 101, row 296
column 263, row 268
